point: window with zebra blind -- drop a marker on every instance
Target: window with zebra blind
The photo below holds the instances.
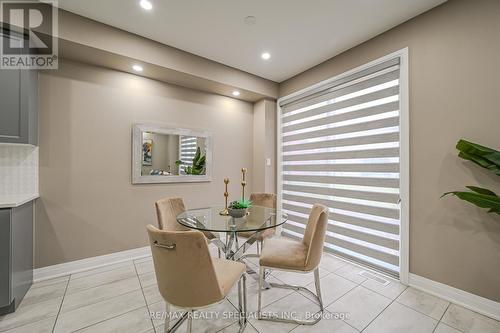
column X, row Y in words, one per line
column 341, row 145
column 187, row 150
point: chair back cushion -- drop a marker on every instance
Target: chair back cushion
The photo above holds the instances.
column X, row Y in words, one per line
column 314, row 236
column 263, row 199
column 185, row 273
column 167, row 210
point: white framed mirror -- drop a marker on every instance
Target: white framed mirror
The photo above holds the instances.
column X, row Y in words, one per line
column 162, row 154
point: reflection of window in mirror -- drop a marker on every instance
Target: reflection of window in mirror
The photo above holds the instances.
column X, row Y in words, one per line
column 159, row 154
column 188, row 145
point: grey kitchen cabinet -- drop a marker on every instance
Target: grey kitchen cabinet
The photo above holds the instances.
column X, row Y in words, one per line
column 18, row 105
column 16, row 255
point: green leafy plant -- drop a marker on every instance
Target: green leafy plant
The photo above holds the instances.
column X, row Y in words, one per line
column 487, row 158
column 240, row 204
column 198, row 165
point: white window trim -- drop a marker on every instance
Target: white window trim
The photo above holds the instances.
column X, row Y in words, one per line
column 404, row 141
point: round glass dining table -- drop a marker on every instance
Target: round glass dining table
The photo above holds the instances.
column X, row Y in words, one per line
column 257, row 220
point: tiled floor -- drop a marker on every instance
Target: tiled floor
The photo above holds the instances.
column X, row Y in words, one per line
column 121, row 297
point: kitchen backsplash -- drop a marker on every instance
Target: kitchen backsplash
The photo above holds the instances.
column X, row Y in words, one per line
column 18, row 170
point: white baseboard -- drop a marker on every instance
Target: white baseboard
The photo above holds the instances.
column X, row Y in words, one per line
column 72, row 267
column 470, row 301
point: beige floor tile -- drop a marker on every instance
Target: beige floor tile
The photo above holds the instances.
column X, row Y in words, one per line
column 99, row 293
column 40, row 294
column 351, row 272
column 131, row 322
column 442, row 328
column 294, row 306
column 152, row 294
column 211, row 319
column 332, row 288
column 27, row 314
column 398, row 318
column 49, row 282
column 144, row 266
column 97, row 312
column 264, row 326
column 235, row 328
column 147, row 258
column 157, row 313
column 360, row 305
column 469, row 321
column 42, row 326
column 423, row 302
column 331, row 263
column 147, row 279
column 110, row 299
column 102, row 269
column 298, row 279
column 326, row 325
column 391, row 290
column 91, row 281
column 268, row 295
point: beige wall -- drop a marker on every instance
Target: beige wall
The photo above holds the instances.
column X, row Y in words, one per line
column 88, row 206
column 264, row 146
column 454, row 93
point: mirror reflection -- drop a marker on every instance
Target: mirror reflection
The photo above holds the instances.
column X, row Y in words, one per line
column 171, row 154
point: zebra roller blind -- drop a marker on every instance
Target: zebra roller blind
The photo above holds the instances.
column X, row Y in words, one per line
column 340, row 148
column 187, row 150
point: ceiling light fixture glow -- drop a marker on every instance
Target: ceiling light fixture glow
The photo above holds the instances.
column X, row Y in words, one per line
column 146, row 4
column 137, row 68
column 265, row 55
column 236, row 93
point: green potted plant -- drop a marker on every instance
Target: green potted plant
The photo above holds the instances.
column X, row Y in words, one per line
column 239, row 208
column 487, row 158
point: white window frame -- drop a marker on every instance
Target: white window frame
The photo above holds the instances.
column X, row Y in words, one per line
column 404, row 142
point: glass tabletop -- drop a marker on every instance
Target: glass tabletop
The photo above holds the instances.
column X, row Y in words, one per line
column 258, row 218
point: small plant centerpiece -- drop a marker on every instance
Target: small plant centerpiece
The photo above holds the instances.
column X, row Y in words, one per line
column 239, row 208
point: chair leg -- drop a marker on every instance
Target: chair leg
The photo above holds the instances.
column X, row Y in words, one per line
column 190, row 321
column 218, row 250
column 259, row 246
column 318, row 287
column 242, row 302
column 316, row 318
column 259, row 303
column 177, row 324
column 167, row 317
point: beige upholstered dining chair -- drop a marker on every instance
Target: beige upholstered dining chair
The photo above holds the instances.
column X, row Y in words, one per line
column 265, row 200
column 296, row 256
column 167, row 210
column 189, row 278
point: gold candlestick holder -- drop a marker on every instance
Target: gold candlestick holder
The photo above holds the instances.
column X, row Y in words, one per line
column 243, row 183
column 224, row 212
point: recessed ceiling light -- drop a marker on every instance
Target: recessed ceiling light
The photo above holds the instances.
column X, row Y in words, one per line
column 265, row 55
column 236, row 93
column 137, row 68
column 146, row 4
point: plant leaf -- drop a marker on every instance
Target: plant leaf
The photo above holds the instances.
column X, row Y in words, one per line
column 481, row 190
column 197, row 155
column 486, row 157
column 473, row 148
column 481, row 200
